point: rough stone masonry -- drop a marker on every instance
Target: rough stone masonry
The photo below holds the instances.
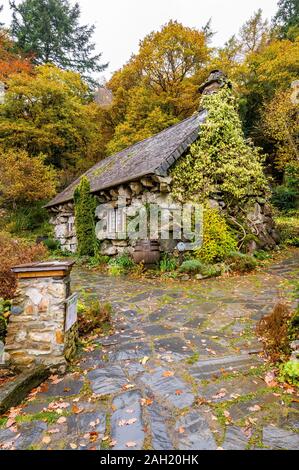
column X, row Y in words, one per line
column 36, row 330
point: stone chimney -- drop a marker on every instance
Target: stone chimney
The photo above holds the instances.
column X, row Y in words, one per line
column 216, row 80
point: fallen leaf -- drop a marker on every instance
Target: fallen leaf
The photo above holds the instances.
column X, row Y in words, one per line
column 131, row 444
column 53, row 431
column 76, row 409
column 10, row 422
column 254, row 408
column 46, row 440
column 168, row 373
column 178, row 392
column 61, row 420
column 181, row 430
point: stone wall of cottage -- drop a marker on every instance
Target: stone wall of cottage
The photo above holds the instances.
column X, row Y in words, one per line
column 157, row 189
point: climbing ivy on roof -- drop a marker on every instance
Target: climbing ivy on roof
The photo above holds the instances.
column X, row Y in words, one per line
column 221, row 160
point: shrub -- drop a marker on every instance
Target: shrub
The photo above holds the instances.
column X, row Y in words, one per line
column 288, row 226
column 284, row 198
column 195, row 266
column 168, row 263
column 218, row 240
column 93, row 316
column 261, row 255
column 289, row 372
column 28, row 218
column 241, row 262
column 85, row 205
column 123, row 261
column 274, row 332
column 115, row 270
column 12, row 252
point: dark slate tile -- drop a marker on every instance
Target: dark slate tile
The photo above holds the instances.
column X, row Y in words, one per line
column 30, row 434
column 197, row 434
column 67, row 387
column 215, row 367
column 278, row 438
column 235, row 439
column 127, row 407
column 129, row 351
column 171, row 390
column 174, row 345
column 107, row 380
column 159, row 431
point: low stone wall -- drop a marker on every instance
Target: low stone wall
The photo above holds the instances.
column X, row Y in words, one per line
column 157, row 189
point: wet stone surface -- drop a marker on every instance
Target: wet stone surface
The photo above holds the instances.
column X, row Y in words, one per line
column 177, row 373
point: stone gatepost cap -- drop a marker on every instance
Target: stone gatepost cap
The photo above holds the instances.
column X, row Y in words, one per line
column 43, row 269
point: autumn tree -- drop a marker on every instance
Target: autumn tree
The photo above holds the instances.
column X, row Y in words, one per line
column 254, row 32
column 159, row 84
column 25, row 179
column 11, row 60
column 51, row 31
column 49, row 111
column 280, row 120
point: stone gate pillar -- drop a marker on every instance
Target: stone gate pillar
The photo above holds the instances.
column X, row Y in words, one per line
column 41, row 330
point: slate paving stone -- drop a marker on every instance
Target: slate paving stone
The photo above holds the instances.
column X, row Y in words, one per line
column 170, row 390
column 230, row 388
column 78, row 424
column 91, row 358
column 159, row 432
column 244, row 409
column 160, row 314
column 107, row 380
column 195, row 322
column 215, row 367
column 7, row 438
column 30, row 434
column 126, row 408
column 291, row 420
column 206, row 308
column 35, row 406
column 132, row 351
column 235, row 439
column 67, row 387
column 203, row 344
column 278, row 438
column 196, row 433
column 157, row 330
column 133, row 368
column 174, row 345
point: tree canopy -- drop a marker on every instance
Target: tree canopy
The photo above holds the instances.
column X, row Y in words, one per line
column 50, row 30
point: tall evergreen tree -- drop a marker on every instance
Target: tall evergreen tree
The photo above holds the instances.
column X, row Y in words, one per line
column 85, row 205
column 287, row 18
column 50, row 30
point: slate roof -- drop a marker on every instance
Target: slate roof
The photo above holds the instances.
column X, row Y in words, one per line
column 154, row 155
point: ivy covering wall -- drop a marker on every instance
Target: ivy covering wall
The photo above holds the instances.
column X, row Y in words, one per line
column 221, row 160
column 85, row 205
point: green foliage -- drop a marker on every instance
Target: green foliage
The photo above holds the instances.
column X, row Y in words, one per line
column 262, row 255
column 195, row 266
column 241, row 263
column 168, row 263
column 286, row 196
column 218, row 240
column 289, row 372
column 93, row 315
column 220, row 160
column 85, row 205
column 288, row 226
column 120, row 265
column 31, row 218
column 287, row 17
column 50, row 31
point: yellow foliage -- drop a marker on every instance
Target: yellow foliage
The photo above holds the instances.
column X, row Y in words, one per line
column 24, row 178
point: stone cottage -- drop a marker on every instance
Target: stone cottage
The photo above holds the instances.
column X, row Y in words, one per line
column 140, row 173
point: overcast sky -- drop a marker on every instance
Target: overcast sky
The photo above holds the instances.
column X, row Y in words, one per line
column 121, row 24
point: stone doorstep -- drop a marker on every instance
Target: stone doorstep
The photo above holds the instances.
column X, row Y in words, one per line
column 14, row 392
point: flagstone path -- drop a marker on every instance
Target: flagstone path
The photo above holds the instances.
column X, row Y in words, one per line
column 181, row 371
